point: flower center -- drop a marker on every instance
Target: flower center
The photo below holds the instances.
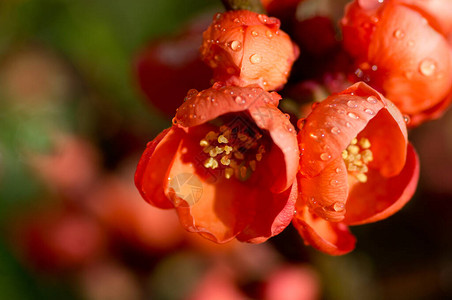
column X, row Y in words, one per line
column 234, row 151
column 356, row 157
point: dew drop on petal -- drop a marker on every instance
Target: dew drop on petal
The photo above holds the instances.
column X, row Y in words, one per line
column 338, row 170
column 369, row 111
column 255, row 58
column 334, row 182
column 335, row 130
column 269, row 34
column 399, row 34
column 406, row 118
column 254, row 33
column 325, row 156
column 235, row 45
column 338, row 206
column 238, row 100
column 427, row 67
column 352, row 115
column 372, row 99
column 262, row 18
column 300, row 123
column 351, row 103
column 348, row 124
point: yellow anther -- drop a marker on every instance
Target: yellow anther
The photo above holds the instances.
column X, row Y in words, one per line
column 353, row 149
column 219, row 149
column 204, row 143
column 207, row 149
column 367, row 156
column 364, row 169
column 261, row 149
column 253, row 165
column 228, row 173
column 242, row 137
column 361, row 177
column 364, row 143
column 222, row 139
column 225, row 161
column 227, row 149
column 259, row 157
column 354, row 141
column 212, row 135
column 213, row 152
column 344, row 154
column 243, row 172
column 239, row 155
column 352, row 168
column 211, row 163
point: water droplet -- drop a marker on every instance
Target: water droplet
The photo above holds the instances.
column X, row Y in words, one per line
column 352, row 115
column 217, row 16
column 338, row 206
column 399, row 34
column 313, row 135
column 338, row 170
column 351, row 103
column 348, row 124
column 325, row 156
column 238, row 99
column 334, row 182
column 254, row 33
column 255, row 58
column 427, row 67
column 235, row 45
column 372, row 99
column 212, row 99
column 287, row 116
column 335, row 130
column 406, row 118
column 359, row 73
column 174, row 120
column 374, row 67
column 369, row 111
column 236, row 20
column 262, row 18
column 269, row 34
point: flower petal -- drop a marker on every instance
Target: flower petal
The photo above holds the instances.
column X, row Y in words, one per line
column 282, row 132
column 328, row 237
column 218, row 100
column 326, row 194
column 207, row 203
column 381, row 197
column 151, row 175
column 274, row 213
column 334, row 123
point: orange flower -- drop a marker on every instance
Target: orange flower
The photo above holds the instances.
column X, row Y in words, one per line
column 401, row 49
column 227, row 165
column 356, row 167
column 246, row 48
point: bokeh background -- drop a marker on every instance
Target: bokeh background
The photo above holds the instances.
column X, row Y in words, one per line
column 73, row 123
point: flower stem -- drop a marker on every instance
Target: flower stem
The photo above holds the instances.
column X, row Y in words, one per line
column 252, row 5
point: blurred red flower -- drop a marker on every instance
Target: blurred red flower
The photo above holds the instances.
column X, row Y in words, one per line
column 401, row 49
column 243, row 48
column 173, row 60
column 227, row 165
column 356, row 167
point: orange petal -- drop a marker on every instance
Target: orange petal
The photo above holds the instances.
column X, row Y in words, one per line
column 152, row 170
column 219, row 100
column 284, row 164
column 333, row 123
column 207, row 203
column 326, row 194
column 328, row 237
column 380, row 197
column 274, row 213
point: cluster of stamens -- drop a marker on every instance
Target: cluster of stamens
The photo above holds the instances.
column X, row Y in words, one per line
column 356, row 157
column 233, row 151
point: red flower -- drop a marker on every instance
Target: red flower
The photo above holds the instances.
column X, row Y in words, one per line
column 356, row 167
column 246, row 48
column 401, row 49
column 164, row 62
column 227, row 165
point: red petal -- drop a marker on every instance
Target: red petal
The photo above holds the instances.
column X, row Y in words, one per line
column 328, row 237
column 274, row 213
column 151, row 175
column 333, row 123
column 381, row 197
column 219, row 100
column 282, row 132
column 326, row 193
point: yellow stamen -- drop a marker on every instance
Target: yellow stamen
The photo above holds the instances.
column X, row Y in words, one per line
column 222, row 139
column 356, row 157
column 225, row 160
